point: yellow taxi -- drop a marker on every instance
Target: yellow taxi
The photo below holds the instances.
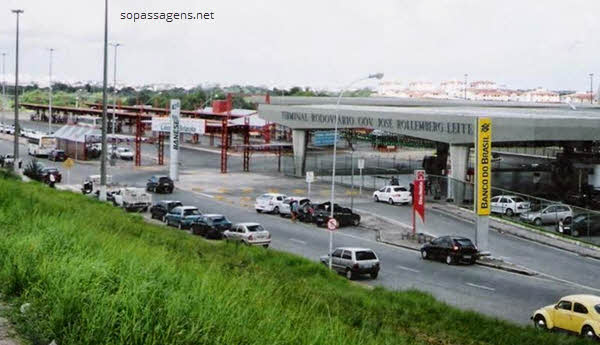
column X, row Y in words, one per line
column 578, row 314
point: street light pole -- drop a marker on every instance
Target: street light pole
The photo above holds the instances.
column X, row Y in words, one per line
column 591, row 88
column 102, row 195
column 465, row 96
column 50, row 93
column 3, row 85
column 335, row 133
column 116, row 45
column 17, row 129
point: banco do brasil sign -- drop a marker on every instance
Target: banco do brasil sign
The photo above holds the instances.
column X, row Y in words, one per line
column 484, row 165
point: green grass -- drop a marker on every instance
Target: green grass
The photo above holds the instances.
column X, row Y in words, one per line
column 95, row 275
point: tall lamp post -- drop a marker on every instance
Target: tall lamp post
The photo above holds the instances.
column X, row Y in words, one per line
column 3, row 85
column 335, row 134
column 591, row 88
column 114, row 123
column 102, row 195
column 465, row 93
column 50, row 93
column 17, row 129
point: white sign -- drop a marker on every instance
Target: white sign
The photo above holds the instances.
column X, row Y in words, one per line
column 174, row 138
column 332, row 224
column 361, row 164
column 189, row 126
column 310, row 176
column 419, row 175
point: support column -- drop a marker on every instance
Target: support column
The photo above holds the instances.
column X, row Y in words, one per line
column 299, row 146
column 594, row 179
column 459, row 156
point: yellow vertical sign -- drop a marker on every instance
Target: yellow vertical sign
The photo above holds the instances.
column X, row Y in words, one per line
column 484, row 166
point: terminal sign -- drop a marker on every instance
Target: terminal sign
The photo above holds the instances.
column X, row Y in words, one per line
column 484, row 166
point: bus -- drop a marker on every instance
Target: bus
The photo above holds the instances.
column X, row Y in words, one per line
column 41, row 145
column 89, row 121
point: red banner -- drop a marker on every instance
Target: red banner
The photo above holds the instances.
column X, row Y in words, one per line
column 419, row 198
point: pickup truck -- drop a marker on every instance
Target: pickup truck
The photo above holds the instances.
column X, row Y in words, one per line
column 132, row 199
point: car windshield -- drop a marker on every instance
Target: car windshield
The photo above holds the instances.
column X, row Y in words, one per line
column 218, row 220
column 191, row 212
column 518, row 199
column 264, row 196
column 400, row 189
column 365, row 255
column 597, row 307
column 164, row 179
column 255, row 228
column 464, row 242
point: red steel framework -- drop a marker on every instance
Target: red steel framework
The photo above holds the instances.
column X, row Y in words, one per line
column 161, row 148
column 138, row 141
column 225, row 135
column 246, row 133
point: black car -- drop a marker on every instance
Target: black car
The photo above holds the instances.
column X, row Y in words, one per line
column 57, row 156
column 452, row 249
column 47, row 171
column 160, row 209
column 160, row 184
column 211, row 226
column 344, row 216
column 585, row 224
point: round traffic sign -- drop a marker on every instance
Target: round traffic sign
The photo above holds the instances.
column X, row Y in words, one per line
column 332, row 224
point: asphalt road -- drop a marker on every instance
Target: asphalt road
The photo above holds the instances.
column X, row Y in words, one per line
column 493, row 292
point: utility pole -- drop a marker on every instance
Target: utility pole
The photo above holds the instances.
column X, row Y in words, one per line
column 3, row 85
column 116, row 45
column 102, row 195
column 591, row 88
column 17, row 129
column 50, row 93
column 466, row 75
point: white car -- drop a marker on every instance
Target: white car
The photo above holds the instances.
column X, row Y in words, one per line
column 132, row 199
column 269, row 202
column 393, row 195
column 285, row 209
column 249, row 233
column 509, row 205
column 124, row 153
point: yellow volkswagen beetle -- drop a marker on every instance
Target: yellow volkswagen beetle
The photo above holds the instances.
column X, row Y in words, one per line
column 575, row 314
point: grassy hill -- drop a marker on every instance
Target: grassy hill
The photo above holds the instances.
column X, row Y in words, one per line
column 95, row 275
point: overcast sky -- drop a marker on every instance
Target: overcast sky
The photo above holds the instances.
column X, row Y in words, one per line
column 519, row 43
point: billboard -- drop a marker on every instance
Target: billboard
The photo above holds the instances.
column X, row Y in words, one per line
column 484, row 166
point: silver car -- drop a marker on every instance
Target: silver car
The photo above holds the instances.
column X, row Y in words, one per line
column 353, row 262
column 551, row 214
column 248, row 233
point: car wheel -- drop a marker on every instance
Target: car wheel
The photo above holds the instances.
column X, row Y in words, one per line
column 588, row 332
column 356, row 222
column 567, row 220
column 349, row 274
column 509, row 212
column 575, row 233
column 281, row 215
column 170, row 190
column 539, row 322
column 164, row 219
column 374, row 275
column 376, row 198
column 276, row 210
column 258, row 211
column 391, row 201
column 180, row 226
column 424, row 255
column 152, row 216
column 145, row 209
column 449, row 260
column 537, row 222
column 266, row 245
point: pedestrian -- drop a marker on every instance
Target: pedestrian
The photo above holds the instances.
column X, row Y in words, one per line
column 294, row 210
column 52, row 180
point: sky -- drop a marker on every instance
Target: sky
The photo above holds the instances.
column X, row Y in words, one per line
column 518, row 43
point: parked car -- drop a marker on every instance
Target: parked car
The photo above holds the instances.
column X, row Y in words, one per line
column 9, row 159
column 211, row 226
column 509, row 205
column 47, row 171
column 249, row 234
column 353, row 262
column 269, row 202
column 57, row 156
column 182, row 217
column 452, row 249
column 160, row 209
column 285, row 210
column 343, row 215
column 393, row 195
column 124, row 153
column 160, row 184
column 584, row 224
column 578, row 314
column 131, row 199
column 551, row 214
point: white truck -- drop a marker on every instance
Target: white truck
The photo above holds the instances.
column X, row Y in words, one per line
column 132, row 199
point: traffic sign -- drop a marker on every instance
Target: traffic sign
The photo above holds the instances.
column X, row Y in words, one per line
column 361, row 164
column 68, row 163
column 310, row 176
column 332, row 224
column 420, row 175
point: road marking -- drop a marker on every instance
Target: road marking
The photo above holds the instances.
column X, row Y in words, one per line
column 204, row 195
column 568, row 282
column 481, row 287
column 297, row 241
column 408, row 269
